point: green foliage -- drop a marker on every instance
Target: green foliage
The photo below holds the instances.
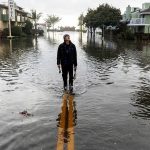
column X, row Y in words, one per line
column 81, row 18
column 126, row 35
column 38, row 31
column 16, row 31
column 5, row 32
column 28, row 27
column 48, row 22
column 36, row 16
column 81, row 23
column 124, row 32
column 103, row 15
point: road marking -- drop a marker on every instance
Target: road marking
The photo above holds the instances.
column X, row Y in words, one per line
column 66, row 124
column 61, row 129
column 71, row 124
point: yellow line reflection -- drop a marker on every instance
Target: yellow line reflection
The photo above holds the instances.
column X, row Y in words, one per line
column 61, row 129
column 71, row 124
column 66, row 123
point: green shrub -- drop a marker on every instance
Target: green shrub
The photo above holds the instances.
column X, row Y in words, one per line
column 129, row 35
column 16, row 31
column 5, row 32
column 28, row 27
column 126, row 35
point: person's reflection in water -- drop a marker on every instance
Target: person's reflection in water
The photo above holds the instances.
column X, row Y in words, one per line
column 67, row 119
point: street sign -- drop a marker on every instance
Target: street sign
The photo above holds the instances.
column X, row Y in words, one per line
column 11, row 6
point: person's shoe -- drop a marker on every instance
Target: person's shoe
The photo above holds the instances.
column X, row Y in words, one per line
column 65, row 88
column 71, row 89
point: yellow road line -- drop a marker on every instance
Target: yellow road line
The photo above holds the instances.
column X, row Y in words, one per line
column 71, row 124
column 61, row 129
column 66, row 125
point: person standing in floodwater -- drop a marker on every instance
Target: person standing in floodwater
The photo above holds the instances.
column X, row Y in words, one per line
column 67, row 61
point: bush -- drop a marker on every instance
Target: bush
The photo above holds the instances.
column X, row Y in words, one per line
column 38, row 32
column 129, row 35
column 124, row 32
column 5, row 32
column 16, row 31
column 28, row 27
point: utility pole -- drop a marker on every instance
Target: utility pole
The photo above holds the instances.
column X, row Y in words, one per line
column 10, row 35
column 11, row 10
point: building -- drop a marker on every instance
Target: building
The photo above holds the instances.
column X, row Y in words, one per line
column 20, row 18
column 67, row 28
column 138, row 18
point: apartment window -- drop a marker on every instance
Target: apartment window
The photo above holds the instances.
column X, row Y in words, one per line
column 4, row 12
column 23, row 19
column 18, row 18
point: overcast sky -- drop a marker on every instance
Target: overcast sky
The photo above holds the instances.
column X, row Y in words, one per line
column 69, row 10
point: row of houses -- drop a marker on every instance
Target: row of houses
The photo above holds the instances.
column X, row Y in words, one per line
column 138, row 18
column 20, row 16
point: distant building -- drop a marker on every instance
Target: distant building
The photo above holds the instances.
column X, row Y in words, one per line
column 21, row 17
column 67, row 28
column 138, row 19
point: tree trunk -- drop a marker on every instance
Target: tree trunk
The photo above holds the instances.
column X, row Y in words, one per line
column 103, row 30
column 94, row 32
column 91, row 31
column 53, row 27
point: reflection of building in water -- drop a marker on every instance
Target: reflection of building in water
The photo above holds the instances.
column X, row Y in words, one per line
column 141, row 100
column 105, row 44
column 12, row 52
column 53, row 38
column 146, row 50
column 66, row 122
column 101, row 49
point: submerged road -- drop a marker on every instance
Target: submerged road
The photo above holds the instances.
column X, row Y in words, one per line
column 111, row 106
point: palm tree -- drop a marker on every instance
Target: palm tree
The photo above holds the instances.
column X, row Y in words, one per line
column 48, row 22
column 81, row 18
column 52, row 20
column 35, row 16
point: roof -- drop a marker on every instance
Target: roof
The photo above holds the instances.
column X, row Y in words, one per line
column 145, row 11
column 21, row 11
column 3, row 6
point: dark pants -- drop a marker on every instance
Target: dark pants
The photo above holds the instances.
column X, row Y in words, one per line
column 67, row 69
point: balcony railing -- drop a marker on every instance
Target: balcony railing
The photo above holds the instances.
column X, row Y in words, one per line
column 138, row 21
column 4, row 17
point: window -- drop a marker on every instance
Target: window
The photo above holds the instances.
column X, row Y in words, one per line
column 18, row 18
column 4, row 12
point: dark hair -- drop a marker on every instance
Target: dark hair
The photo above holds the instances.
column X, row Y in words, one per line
column 66, row 36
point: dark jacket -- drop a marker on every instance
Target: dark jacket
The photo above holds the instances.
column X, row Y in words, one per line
column 67, row 54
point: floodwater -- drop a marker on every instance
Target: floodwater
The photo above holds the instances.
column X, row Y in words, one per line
column 111, row 106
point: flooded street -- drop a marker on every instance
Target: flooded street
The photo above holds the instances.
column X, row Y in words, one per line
column 112, row 94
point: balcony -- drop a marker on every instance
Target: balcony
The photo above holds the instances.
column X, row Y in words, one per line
column 4, row 17
column 137, row 22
